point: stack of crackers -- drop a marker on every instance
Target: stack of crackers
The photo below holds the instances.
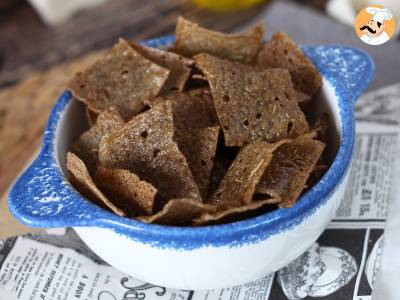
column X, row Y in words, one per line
column 210, row 131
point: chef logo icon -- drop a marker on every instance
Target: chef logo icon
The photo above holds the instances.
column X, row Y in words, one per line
column 375, row 25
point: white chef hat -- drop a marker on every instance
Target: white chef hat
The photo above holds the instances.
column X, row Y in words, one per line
column 379, row 14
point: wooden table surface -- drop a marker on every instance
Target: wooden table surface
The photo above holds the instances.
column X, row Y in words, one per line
column 36, row 60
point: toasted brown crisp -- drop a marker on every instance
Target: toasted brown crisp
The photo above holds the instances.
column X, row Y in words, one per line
column 282, row 52
column 192, row 109
column 237, row 187
column 217, row 175
column 192, row 39
column 179, row 67
column 87, row 146
column 290, row 167
column 134, row 196
column 321, row 127
column 199, row 147
column 123, row 78
column 194, row 120
column 233, row 214
column 252, row 104
column 316, row 175
column 178, row 212
column 145, row 146
column 286, row 81
column 91, row 116
column 83, row 182
column 302, row 99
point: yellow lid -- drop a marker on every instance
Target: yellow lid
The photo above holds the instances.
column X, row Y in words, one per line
column 226, row 5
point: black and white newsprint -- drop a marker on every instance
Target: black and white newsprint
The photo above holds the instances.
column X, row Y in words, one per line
column 342, row 264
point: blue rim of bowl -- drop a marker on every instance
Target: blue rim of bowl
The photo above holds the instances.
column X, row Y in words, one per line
column 347, row 69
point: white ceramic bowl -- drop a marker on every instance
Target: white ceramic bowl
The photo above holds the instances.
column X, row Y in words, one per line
column 205, row 257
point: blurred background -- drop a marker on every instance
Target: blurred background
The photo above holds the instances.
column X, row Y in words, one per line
column 44, row 42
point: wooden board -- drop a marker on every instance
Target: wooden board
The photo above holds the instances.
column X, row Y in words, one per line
column 24, row 107
column 9, row 226
column 26, row 44
column 23, row 113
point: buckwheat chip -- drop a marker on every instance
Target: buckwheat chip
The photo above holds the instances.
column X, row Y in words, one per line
column 217, row 175
column 316, row 174
column 290, row 167
column 133, row 195
column 287, row 80
column 145, row 146
column 233, row 214
column 282, row 52
column 321, row 127
column 192, row 109
column 83, row 182
column 91, row 116
column 123, row 78
column 237, row 187
column 194, row 120
column 192, row 39
column 224, row 158
column 179, row 67
column 302, row 99
column 250, row 103
column 87, row 146
column 178, row 212
column 199, row 147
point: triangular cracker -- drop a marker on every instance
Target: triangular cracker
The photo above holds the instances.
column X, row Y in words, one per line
column 199, row 147
column 192, row 109
column 252, row 104
column 123, row 78
column 178, row 212
column 83, row 182
column 179, row 66
column 282, row 52
column 233, row 214
column 146, row 147
column 192, row 39
column 134, row 196
column 290, row 167
column 237, row 187
column 87, row 146
column 300, row 97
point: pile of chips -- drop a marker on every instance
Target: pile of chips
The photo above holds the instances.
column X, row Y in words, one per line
column 210, row 131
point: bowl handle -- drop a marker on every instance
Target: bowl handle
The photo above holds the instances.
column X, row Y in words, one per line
column 41, row 197
column 349, row 69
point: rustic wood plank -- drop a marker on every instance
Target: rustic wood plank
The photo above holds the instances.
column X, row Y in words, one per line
column 9, row 226
column 24, row 108
column 26, row 44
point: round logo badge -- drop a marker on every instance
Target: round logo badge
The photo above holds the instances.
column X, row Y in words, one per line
column 375, row 25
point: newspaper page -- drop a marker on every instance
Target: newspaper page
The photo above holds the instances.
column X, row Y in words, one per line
column 341, row 264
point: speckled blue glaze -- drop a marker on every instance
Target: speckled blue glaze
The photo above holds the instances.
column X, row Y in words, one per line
column 42, row 197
